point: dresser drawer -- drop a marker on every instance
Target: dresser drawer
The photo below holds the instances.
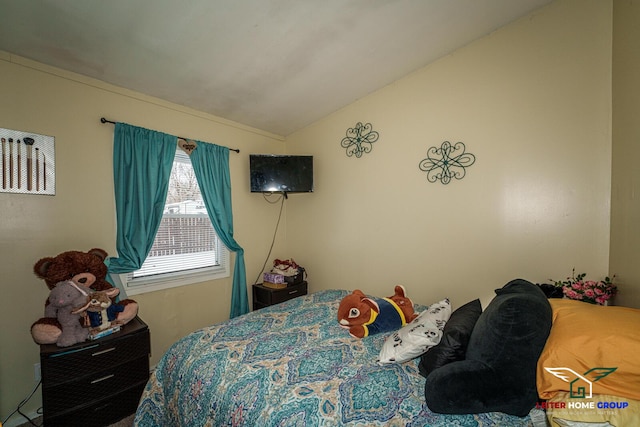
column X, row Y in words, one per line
column 95, row 383
column 282, row 295
column 99, row 413
column 83, row 389
column 67, row 366
column 264, row 296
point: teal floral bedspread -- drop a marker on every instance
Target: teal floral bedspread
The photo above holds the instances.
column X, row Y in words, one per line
column 290, row 365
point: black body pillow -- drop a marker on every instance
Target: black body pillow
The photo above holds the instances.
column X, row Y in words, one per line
column 499, row 371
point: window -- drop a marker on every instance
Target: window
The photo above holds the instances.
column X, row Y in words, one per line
column 186, row 249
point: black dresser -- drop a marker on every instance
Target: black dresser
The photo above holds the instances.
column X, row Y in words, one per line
column 95, row 383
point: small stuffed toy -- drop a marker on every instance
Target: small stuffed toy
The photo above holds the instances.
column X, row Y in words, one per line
column 62, row 300
column 101, row 311
column 88, row 271
column 365, row 316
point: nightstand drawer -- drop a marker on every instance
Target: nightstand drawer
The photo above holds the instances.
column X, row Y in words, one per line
column 99, row 384
column 102, row 412
column 95, row 383
column 264, row 296
column 56, row 368
column 282, row 295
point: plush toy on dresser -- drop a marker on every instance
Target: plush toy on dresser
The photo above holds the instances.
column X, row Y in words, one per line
column 365, row 316
column 101, row 311
column 62, row 301
column 87, row 271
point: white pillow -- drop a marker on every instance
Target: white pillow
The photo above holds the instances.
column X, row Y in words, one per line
column 415, row 338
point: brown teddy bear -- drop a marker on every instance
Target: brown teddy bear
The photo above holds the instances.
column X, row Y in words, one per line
column 85, row 269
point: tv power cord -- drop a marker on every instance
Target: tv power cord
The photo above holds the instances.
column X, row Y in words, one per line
column 284, row 196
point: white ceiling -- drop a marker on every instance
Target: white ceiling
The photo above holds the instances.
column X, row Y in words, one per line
column 276, row 65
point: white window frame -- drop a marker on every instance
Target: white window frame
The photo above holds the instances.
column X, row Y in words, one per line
column 140, row 285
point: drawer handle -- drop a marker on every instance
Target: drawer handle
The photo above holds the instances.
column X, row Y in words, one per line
column 103, row 378
column 98, row 353
column 293, row 292
column 100, row 408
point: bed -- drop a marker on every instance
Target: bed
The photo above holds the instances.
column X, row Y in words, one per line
column 589, row 370
column 292, row 365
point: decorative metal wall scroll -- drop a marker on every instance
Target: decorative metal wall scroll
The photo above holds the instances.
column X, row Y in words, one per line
column 28, row 163
column 447, row 162
column 359, row 139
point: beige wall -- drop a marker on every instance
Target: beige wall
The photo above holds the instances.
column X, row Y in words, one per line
column 39, row 99
column 532, row 102
column 625, row 203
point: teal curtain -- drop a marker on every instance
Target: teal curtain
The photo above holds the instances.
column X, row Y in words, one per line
column 211, row 166
column 142, row 162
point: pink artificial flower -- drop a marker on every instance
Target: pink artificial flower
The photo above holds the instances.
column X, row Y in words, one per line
column 572, row 294
column 592, row 291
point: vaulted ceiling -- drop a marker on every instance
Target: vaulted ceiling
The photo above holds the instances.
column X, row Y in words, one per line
column 276, row 65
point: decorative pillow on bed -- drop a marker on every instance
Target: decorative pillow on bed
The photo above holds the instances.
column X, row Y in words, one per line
column 455, row 337
column 498, row 373
column 589, row 339
column 418, row 336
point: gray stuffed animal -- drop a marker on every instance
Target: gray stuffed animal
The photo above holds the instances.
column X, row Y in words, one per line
column 63, row 300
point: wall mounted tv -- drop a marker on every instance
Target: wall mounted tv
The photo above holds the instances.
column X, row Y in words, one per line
column 280, row 173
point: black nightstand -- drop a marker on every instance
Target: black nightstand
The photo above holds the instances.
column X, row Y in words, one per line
column 95, row 383
column 264, row 296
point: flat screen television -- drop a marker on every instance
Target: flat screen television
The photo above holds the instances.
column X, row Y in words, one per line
column 271, row 173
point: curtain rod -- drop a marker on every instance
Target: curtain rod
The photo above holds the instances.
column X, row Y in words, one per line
column 103, row 120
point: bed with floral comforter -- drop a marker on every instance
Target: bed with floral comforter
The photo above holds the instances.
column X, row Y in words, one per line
column 290, row 365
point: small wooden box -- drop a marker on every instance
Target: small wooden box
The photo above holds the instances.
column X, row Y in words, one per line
column 275, row 285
